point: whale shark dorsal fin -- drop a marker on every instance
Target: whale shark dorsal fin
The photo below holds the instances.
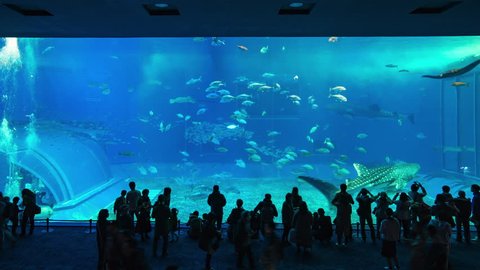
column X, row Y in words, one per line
column 361, row 169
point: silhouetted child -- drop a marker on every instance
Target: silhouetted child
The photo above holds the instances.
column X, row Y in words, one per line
column 325, row 228
column 390, row 234
column 174, row 225
column 195, row 226
column 14, row 215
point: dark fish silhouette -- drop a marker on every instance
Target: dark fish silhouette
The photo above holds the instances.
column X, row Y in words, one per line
column 454, row 72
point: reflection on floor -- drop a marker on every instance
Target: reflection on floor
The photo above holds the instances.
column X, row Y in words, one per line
column 55, row 250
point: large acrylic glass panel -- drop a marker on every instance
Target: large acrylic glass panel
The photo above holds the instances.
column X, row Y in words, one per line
column 466, row 125
column 250, row 114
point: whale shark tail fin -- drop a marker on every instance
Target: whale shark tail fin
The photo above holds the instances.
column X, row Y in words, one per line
column 327, row 189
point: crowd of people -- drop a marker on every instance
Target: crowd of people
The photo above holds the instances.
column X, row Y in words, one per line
column 11, row 210
column 411, row 220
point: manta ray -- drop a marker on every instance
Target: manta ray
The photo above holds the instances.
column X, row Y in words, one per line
column 454, row 72
column 393, row 176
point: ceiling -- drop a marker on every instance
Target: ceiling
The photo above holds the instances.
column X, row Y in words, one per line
column 129, row 18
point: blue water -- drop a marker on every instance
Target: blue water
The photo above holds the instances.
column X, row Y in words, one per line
column 119, row 90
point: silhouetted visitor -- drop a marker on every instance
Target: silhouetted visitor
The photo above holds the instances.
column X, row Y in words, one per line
column 390, row 234
column 209, row 239
column 476, row 209
column 365, row 199
column 167, row 192
column 14, row 215
column 132, row 201
column 383, row 202
column 101, row 227
column 462, row 219
column 174, row 225
column 272, row 251
column 268, row 211
column 287, row 217
column 234, row 218
column 4, row 216
column 325, row 228
column 161, row 214
column 444, row 211
column 124, row 220
column 194, row 225
column 217, row 201
column 119, row 202
column 31, row 208
column 143, row 222
column 440, row 233
column 242, row 239
column 419, row 209
column 445, row 193
column 302, row 222
column 402, row 212
column 343, row 201
column 296, row 198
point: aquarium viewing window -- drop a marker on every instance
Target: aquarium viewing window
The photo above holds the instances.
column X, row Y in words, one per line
column 81, row 117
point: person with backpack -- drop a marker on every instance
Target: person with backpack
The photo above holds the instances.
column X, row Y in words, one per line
column 195, row 225
column 267, row 211
column 234, row 218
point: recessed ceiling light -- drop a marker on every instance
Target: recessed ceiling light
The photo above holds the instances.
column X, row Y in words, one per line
column 296, row 5
column 161, row 5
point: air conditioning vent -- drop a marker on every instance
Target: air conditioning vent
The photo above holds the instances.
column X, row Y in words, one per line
column 161, row 9
column 28, row 10
column 296, row 8
column 437, row 9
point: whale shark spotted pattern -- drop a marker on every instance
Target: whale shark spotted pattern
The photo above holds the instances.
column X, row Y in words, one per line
column 394, row 176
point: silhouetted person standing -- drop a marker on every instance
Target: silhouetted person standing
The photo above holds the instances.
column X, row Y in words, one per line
column 268, row 211
column 464, row 206
column 403, row 213
column 217, row 201
column 383, row 203
column 119, row 202
column 390, row 234
column 365, row 199
column 303, row 221
column 234, row 218
column 167, row 192
column 132, row 201
column 161, row 214
column 325, row 229
column 209, row 239
column 28, row 201
column 144, row 207
column 14, row 215
column 101, row 226
column 343, row 201
column 243, row 242
column 287, row 217
column 296, row 198
column 476, row 209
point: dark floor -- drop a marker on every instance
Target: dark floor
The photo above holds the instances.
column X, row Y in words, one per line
column 75, row 248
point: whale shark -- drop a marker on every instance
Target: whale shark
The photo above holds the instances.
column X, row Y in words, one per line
column 394, row 176
column 372, row 111
column 454, row 72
